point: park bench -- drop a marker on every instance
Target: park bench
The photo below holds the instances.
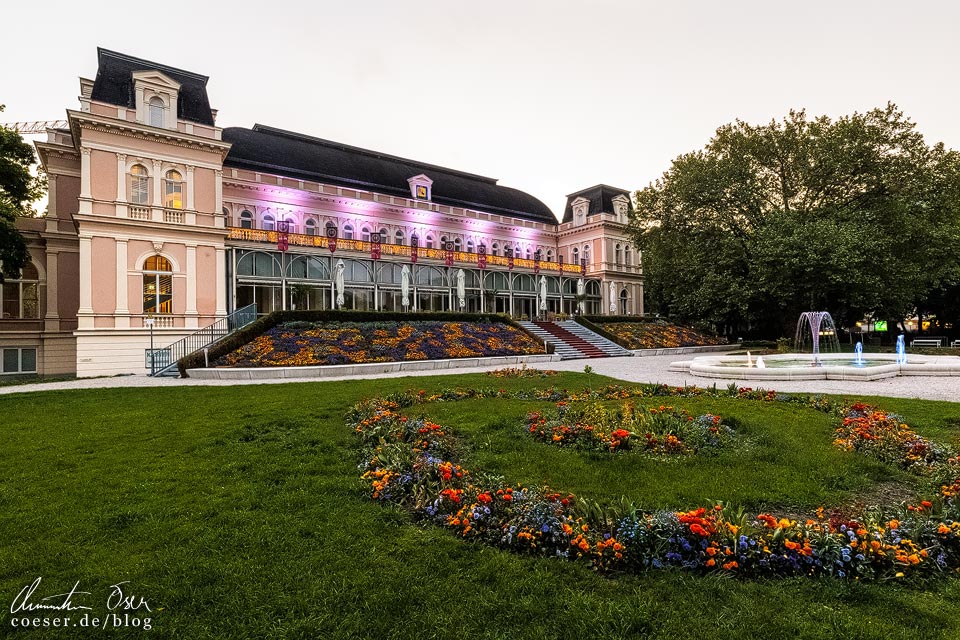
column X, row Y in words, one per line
column 955, row 343
column 921, row 342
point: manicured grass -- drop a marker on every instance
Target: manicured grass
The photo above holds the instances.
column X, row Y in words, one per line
column 238, row 511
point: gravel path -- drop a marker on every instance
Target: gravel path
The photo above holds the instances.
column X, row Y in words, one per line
column 636, row 369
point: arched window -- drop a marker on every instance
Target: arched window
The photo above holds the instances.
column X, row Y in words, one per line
column 20, row 297
column 623, row 302
column 225, row 212
column 291, row 225
column 365, row 233
column 348, row 232
column 429, row 243
column 310, row 226
column 457, row 244
column 329, row 226
column 528, row 253
column 575, row 256
column 495, row 249
column 586, row 253
column 549, row 255
column 627, row 258
column 139, row 185
column 616, row 255
column 157, row 285
column 246, row 220
column 507, row 250
column 384, row 236
column 173, row 190
column 398, row 237
column 268, row 222
column 517, row 253
column 470, row 247
column 157, row 112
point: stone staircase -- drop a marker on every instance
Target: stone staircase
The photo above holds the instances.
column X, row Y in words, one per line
column 572, row 341
column 609, row 347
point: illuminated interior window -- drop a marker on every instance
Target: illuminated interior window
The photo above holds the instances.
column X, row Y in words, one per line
column 173, row 190
column 157, row 285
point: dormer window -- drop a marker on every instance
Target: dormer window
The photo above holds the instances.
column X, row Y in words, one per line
column 580, row 209
column 420, row 187
column 157, row 112
column 621, row 206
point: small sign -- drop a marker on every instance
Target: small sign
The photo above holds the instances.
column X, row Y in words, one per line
column 376, row 243
column 283, row 235
column 482, row 257
column 448, row 259
column 536, row 262
column 421, row 192
column 880, row 325
column 510, row 262
column 331, row 238
column 583, row 266
column 414, row 248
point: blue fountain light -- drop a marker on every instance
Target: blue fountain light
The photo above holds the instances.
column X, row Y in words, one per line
column 901, row 350
column 858, row 362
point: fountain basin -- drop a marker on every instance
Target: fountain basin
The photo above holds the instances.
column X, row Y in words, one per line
column 833, row 366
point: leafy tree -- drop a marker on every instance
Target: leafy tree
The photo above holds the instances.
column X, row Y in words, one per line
column 18, row 189
column 856, row 216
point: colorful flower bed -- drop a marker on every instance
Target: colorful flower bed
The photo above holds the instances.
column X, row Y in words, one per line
column 522, row 372
column 885, row 436
column 663, row 430
column 296, row 344
column 411, row 462
column 658, row 334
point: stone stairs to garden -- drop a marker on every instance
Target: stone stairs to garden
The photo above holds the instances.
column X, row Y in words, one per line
column 573, row 342
column 607, row 346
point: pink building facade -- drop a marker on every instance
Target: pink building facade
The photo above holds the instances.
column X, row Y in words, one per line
column 156, row 214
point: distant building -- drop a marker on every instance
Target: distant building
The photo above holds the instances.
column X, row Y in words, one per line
column 155, row 212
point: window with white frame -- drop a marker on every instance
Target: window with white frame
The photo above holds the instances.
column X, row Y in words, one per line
column 20, row 297
column 157, row 285
column 429, row 242
column 470, row 247
column 173, row 190
column 139, row 185
column 291, row 225
column 398, row 237
column 310, row 226
column 157, row 112
column 457, row 244
column 575, row 256
column 18, row 360
column 365, row 233
column 627, row 258
column 246, row 220
column 586, row 253
column 268, row 222
column 384, row 236
column 616, row 254
column 549, row 255
column 495, row 249
column 348, row 232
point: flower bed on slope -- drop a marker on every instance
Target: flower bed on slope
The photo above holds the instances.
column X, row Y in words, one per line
column 321, row 343
column 658, row 335
column 410, row 462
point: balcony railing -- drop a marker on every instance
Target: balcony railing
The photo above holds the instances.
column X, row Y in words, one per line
column 362, row 246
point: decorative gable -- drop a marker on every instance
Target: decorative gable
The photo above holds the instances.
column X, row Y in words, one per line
column 420, row 187
column 156, row 98
column 581, row 207
column 621, row 205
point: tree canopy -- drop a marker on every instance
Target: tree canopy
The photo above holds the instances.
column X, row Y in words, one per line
column 18, row 190
column 855, row 216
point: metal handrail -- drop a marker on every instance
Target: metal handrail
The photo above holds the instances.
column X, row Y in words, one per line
column 160, row 360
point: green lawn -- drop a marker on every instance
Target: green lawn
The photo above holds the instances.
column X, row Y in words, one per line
column 238, row 512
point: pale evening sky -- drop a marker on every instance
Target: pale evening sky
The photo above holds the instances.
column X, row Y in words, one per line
column 548, row 96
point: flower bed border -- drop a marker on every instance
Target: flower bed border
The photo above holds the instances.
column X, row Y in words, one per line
column 409, row 463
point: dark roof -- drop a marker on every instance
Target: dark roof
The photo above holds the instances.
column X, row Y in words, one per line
column 601, row 200
column 302, row 157
column 114, row 85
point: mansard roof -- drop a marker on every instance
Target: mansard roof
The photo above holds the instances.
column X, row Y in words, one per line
column 601, row 200
column 114, row 85
column 270, row 150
